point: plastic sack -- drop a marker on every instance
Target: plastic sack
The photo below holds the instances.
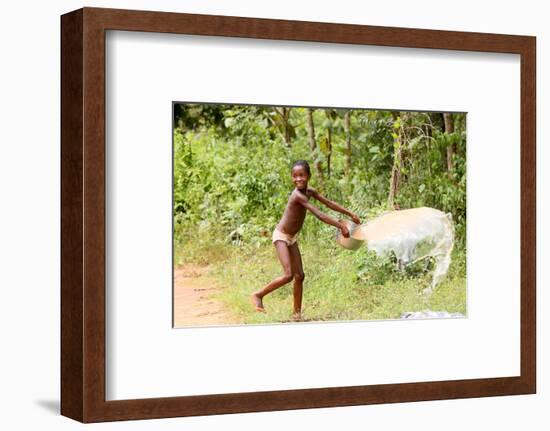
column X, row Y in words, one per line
column 429, row 314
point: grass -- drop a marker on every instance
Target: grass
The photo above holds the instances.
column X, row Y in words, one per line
column 339, row 284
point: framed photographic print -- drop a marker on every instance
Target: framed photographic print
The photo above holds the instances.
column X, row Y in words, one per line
column 266, row 215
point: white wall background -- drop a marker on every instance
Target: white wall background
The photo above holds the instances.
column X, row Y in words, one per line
column 29, row 217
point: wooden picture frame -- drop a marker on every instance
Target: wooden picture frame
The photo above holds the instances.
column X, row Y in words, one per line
column 83, row 336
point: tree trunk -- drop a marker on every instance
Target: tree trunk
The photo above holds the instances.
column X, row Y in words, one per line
column 347, row 151
column 397, row 161
column 313, row 143
column 284, row 114
column 449, row 128
column 329, row 149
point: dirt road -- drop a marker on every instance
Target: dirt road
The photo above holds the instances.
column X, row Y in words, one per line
column 194, row 302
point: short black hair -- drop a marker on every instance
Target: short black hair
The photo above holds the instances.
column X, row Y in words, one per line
column 302, row 163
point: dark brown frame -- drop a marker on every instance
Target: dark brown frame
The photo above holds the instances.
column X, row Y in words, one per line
column 83, row 214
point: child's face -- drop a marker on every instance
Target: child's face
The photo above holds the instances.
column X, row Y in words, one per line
column 300, row 177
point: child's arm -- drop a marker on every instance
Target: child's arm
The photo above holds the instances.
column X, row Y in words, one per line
column 325, row 218
column 334, row 206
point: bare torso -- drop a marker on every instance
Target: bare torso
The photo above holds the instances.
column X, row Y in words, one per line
column 295, row 213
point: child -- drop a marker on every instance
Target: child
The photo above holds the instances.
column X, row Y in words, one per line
column 284, row 235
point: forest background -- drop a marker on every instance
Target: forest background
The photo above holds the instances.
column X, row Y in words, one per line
column 232, row 182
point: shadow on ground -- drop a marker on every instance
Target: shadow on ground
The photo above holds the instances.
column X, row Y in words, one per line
column 51, row 406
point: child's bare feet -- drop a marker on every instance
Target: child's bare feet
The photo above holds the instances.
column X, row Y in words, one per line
column 297, row 317
column 257, row 303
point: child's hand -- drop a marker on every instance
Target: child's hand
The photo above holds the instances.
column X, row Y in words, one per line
column 355, row 219
column 344, row 229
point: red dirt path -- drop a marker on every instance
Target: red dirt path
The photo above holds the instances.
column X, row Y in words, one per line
column 194, row 302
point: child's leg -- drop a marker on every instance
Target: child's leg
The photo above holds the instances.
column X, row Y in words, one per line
column 284, row 257
column 298, row 273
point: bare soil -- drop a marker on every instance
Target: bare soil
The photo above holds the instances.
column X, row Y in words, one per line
column 194, row 299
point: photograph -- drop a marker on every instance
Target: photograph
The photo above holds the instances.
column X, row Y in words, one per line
column 290, row 214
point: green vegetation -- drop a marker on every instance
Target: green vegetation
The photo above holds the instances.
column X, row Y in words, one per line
column 232, row 181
